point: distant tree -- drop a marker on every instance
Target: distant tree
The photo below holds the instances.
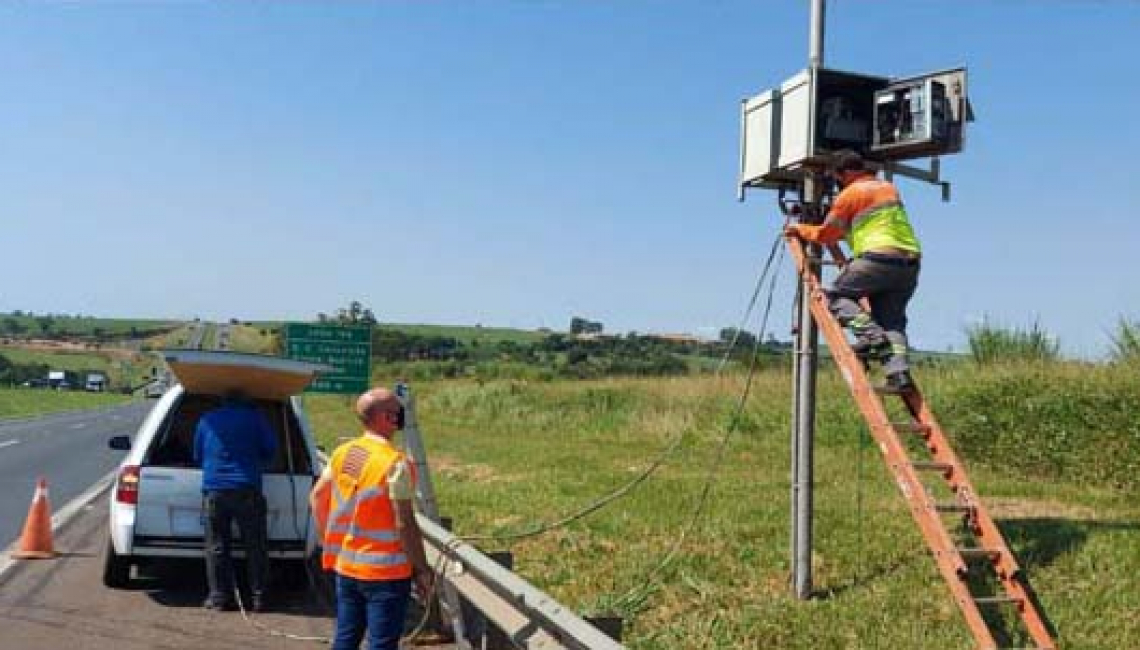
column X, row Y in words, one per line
column 743, row 338
column 12, row 326
column 579, row 325
column 322, row 317
column 368, row 317
column 46, row 323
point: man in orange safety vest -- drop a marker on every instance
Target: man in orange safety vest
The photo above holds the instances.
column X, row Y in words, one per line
column 363, row 506
column 870, row 214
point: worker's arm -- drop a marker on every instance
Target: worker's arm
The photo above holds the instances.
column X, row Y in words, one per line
column 401, row 489
column 319, row 504
column 831, row 231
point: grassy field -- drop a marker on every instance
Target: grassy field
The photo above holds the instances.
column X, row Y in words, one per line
column 121, row 366
column 83, row 326
column 507, row 456
column 469, row 334
column 245, row 338
column 58, row 360
column 18, row 402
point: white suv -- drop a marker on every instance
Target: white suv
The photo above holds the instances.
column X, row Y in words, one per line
column 156, row 505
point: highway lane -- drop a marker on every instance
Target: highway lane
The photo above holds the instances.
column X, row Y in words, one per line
column 68, row 449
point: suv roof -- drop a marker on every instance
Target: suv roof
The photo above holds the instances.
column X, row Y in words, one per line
column 256, row 375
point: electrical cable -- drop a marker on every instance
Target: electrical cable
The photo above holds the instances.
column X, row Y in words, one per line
column 751, row 306
column 659, row 460
column 717, row 459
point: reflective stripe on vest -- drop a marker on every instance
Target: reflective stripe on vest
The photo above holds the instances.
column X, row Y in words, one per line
column 882, row 226
column 361, row 539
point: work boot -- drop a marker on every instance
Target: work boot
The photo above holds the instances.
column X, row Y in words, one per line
column 257, row 603
column 220, row 604
column 899, row 383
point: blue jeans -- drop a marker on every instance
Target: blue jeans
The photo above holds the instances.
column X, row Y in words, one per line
column 379, row 605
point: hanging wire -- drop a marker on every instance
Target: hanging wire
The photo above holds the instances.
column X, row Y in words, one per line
column 598, row 504
column 711, row 473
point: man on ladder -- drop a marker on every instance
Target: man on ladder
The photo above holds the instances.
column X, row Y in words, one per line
column 869, row 212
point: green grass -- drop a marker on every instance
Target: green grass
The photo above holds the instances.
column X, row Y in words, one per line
column 58, row 360
column 507, row 455
column 83, row 326
column 122, row 367
column 991, row 344
column 469, row 334
column 245, row 338
column 20, row 402
column 1125, row 346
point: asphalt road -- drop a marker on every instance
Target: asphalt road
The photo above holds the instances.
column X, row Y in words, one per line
column 68, row 449
column 62, row 603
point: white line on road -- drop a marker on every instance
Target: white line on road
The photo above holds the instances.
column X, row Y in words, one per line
column 9, row 443
column 78, row 425
column 60, row 518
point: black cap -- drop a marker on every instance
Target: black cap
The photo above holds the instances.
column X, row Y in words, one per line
column 848, row 161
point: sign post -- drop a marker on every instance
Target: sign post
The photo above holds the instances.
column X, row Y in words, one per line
column 345, row 348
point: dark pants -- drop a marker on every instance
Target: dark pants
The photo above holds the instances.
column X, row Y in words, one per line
column 379, row 605
column 246, row 507
column 888, row 287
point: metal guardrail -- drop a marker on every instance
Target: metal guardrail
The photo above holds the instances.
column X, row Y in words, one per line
column 529, row 617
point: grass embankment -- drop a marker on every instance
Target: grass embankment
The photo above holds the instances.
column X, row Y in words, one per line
column 22, row 402
column 122, row 367
column 246, row 338
column 508, row 455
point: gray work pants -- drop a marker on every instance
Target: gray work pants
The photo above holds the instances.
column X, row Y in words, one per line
column 888, row 287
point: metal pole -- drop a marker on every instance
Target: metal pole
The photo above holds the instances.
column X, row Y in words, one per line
column 807, row 363
column 425, row 498
column 815, row 43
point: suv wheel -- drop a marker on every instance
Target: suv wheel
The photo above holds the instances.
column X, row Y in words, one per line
column 116, row 568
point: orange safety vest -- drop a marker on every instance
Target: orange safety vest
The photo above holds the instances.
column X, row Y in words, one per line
column 361, row 539
column 875, row 216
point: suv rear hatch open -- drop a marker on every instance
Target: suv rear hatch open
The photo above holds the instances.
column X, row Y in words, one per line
column 169, row 514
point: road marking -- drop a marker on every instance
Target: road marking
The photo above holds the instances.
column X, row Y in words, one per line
column 9, row 443
column 60, row 518
column 78, row 425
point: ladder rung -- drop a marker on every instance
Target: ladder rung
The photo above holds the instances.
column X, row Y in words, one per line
column 937, row 467
column 996, row 600
column 979, row 553
column 911, row 427
column 953, row 507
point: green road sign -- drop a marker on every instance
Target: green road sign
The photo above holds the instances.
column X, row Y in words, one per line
column 347, row 348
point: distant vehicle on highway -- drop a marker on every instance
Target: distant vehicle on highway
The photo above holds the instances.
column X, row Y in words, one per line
column 35, row 383
column 96, row 383
column 156, row 506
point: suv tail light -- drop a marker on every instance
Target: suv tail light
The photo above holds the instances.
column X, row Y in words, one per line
column 127, row 489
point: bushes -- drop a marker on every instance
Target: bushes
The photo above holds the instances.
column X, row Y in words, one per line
column 1057, row 420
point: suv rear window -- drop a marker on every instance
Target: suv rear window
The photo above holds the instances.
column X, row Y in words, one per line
column 173, row 446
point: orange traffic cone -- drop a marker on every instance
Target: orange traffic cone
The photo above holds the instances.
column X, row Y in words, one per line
column 35, row 541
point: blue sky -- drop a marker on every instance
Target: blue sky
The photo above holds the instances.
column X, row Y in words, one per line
column 519, row 163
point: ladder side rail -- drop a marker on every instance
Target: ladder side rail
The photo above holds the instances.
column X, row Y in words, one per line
column 989, row 535
column 1006, row 567
column 922, row 507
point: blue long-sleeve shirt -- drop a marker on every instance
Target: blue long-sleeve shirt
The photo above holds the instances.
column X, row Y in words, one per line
column 232, row 444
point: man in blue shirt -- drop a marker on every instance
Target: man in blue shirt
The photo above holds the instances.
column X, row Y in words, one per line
column 232, row 444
